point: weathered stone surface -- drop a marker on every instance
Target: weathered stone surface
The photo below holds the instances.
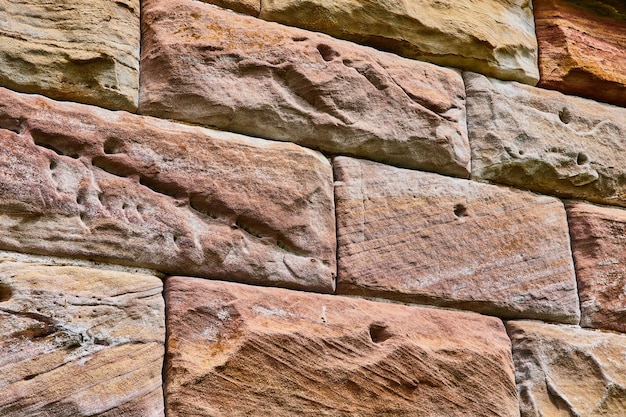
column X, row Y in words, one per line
column 421, row 237
column 77, row 50
column 79, row 342
column 205, row 65
column 599, row 247
column 582, row 47
column 498, row 40
column 237, row 350
column 545, row 141
column 568, row 371
column 85, row 182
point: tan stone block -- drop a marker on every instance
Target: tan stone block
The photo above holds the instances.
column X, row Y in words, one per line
column 582, row 47
column 84, row 182
column 545, row 141
column 421, row 237
column 599, row 248
column 493, row 37
column 76, row 50
column 238, row 350
column 80, row 342
column 201, row 64
column 567, row 371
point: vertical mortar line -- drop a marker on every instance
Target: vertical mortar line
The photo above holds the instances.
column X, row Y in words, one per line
column 569, row 236
column 140, row 54
column 165, row 350
column 508, row 333
column 332, row 171
column 467, row 129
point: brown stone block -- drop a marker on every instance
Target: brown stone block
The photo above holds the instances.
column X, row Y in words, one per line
column 77, row 341
column 205, row 65
column 582, row 47
column 599, row 248
column 545, row 141
column 568, row 371
column 421, row 237
column 80, row 181
column 239, row 350
column 76, row 50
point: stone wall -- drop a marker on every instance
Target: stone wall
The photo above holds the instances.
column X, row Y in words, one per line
column 313, row 208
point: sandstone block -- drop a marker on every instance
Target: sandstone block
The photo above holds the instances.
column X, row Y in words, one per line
column 568, row 371
column 599, row 247
column 237, row 350
column 84, row 182
column 201, row 64
column 545, row 141
column 77, row 50
column 582, row 47
column 80, row 342
column 421, row 237
column 498, row 40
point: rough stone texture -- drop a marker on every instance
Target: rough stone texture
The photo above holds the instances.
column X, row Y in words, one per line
column 77, row 50
column 79, row 342
column 202, row 64
column 499, row 39
column 582, row 47
column 85, row 182
column 239, row 351
column 568, row 371
column 421, row 237
column 545, row 141
column 599, row 248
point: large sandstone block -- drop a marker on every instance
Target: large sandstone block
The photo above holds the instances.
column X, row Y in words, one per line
column 205, row 65
column 582, row 47
column 545, row 141
column 493, row 37
column 84, row 182
column 421, row 237
column 237, row 350
column 77, row 50
column 77, row 341
column 567, row 371
column 599, row 248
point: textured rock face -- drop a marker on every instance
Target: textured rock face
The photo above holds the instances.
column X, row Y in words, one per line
column 86, row 182
column 237, row 350
column 205, row 65
column 79, row 342
column 498, row 40
column 567, row 371
column 598, row 243
column 423, row 237
column 582, row 47
column 545, row 141
column 78, row 50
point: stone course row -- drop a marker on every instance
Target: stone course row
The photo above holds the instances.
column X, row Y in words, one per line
column 81, row 341
column 89, row 183
column 577, row 46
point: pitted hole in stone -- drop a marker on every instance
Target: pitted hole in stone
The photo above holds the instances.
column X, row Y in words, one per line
column 53, row 165
column 59, row 144
column 379, row 333
column 112, row 145
column 5, row 292
column 460, row 210
column 581, row 159
column 299, row 38
column 565, row 115
column 327, row 53
column 29, row 377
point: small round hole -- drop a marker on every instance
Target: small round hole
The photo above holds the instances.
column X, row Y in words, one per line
column 5, row 292
column 379, row 333
column 581, row 159
column 565, row 115
column 460, row 210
